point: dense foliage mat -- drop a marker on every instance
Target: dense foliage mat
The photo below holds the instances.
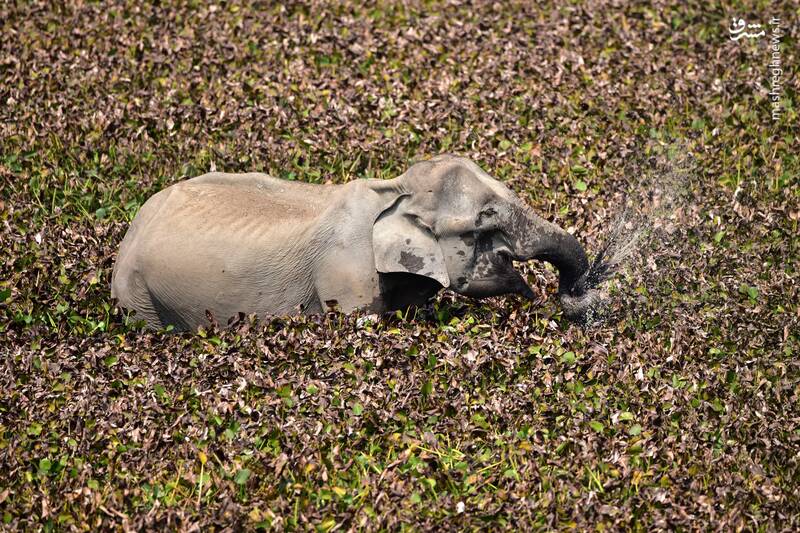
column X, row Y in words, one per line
column 681, row 410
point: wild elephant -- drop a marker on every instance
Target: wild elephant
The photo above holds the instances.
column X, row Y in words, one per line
column 230, row 243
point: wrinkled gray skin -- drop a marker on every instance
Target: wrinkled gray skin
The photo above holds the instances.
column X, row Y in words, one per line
column 230, row 243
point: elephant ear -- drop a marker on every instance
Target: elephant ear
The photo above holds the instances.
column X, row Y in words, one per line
column 403, row 243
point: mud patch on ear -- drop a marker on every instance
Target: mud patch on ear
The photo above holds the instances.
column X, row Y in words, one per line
column 411, row 262
column 401, row 243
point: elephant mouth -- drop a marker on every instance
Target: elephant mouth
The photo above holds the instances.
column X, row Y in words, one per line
column 499, row 278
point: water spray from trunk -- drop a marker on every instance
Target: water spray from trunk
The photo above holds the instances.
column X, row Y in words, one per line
column 657, row 195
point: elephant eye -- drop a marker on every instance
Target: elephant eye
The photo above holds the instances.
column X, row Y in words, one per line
column 484, row 215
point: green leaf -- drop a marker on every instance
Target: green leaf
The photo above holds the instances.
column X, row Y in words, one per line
column 358, row 409
column 635, row 430
column 751, row 292
column 427, row 388
column 625, row 415
column 242, row 476
column 326, row 525
column 580, row 185
column 35, row 429
column 597, row 426
column 432, row 361
column 4, row 294
column 698, row 124
column 159, row 390
column 579, row 170
column 717, row 406
column 568, row 357
column 45, row 465
column 479, row 420
column 505, row 144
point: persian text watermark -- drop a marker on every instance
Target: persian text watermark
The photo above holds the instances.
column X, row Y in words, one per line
column 738, row 27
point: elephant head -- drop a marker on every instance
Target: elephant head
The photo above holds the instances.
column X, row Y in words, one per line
column 455, row 224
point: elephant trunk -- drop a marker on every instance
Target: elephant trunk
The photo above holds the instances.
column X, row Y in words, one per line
column 536, row 238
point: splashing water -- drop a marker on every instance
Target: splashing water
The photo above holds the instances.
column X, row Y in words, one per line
column 653, row 200
column 622, row 242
